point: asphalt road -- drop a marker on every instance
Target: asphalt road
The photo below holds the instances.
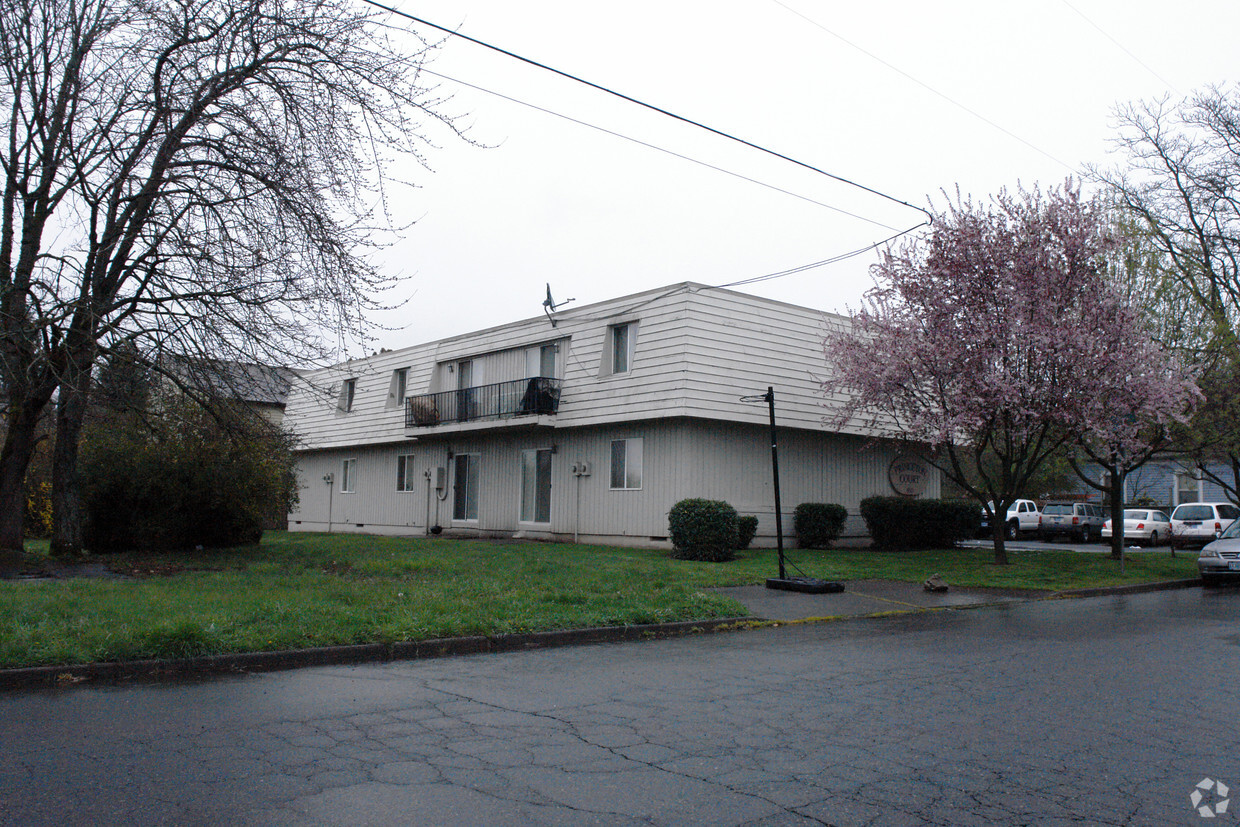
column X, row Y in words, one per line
column 1096, row 711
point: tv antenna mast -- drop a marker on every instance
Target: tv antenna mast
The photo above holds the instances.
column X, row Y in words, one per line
column 550, row 305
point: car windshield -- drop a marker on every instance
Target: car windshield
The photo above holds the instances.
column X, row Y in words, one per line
column 1136, row 515
column 1057, row 509
column 1232, row 531
column 1194, row 512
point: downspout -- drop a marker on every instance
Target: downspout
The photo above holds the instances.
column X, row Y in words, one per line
column 329, row 479
column 577, row 506
column 426, row 529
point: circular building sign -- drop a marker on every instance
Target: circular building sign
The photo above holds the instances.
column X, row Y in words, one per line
column 909, row 475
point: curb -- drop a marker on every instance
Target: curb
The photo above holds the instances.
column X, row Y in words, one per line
column 53, row 676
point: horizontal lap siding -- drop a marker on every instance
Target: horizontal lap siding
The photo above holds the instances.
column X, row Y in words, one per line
column 697, row 351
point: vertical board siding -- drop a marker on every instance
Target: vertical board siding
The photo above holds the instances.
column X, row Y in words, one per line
column 681, row 458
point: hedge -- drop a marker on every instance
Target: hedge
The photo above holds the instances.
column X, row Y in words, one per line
column 817, row 524
column 901, row 523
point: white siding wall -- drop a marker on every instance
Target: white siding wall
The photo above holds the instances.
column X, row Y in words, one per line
column 697, row 351
column 681, row 458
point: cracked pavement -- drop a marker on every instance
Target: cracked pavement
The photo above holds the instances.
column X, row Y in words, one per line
column 1105, row 711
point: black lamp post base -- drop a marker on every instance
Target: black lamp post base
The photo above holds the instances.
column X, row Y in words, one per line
column 809, row 585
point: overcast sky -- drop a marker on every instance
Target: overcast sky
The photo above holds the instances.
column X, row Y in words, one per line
column 905, row 98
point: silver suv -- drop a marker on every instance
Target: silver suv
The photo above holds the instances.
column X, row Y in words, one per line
column 1080, row 521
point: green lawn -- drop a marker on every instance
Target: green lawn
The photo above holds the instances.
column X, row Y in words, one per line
column 303, row 590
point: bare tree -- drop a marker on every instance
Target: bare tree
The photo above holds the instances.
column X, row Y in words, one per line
column 204, row 177
column 1180, row 184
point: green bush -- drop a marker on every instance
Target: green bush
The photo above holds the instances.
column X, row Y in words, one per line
column 901, row 523
column 703, row 530
column 817, row 524
column 747, row 527
column 181, row 478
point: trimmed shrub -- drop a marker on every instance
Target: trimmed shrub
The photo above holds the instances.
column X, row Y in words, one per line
column 747, row 527
column 703, row 530
column 901, row 523
column 817, row 524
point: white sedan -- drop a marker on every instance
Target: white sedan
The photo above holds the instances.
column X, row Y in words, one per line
column 1149, row 526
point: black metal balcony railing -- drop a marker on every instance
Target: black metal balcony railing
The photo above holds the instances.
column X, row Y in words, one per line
column 521, row 397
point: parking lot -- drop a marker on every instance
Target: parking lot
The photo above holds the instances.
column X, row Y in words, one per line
column 1097, row 547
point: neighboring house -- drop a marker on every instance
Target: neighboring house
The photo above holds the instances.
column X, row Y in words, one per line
column 263, row 388
column 1164, row 483
column 590, row 426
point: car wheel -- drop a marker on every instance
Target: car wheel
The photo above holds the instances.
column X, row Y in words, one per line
column 1013, row 529
column 1153, row 539
column 1086, row 535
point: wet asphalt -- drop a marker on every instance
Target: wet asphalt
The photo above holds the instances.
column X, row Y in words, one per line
column 1107, row 710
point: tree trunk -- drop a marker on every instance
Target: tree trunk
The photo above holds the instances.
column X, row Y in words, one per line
column 999, row 526
column 68, row 541
column 1117, row 512
column 21, row 436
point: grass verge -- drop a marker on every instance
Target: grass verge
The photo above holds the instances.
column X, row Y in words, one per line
column 303, row 590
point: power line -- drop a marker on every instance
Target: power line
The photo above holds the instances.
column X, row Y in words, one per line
column 645, row 105
column 926, row 86
column 1122, row 48
column 664, row 150
column 816, row 264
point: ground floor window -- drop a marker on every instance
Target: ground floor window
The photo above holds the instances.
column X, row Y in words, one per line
column 465, row 487
column 348, row 476
column 404, row 472
column 1188, row 487
column 626, row 463
column 536, row 486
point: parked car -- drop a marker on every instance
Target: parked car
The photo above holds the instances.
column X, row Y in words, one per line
column 1220, row 559
column 1080, row 521
column 1023, row 517
column 1195, row 524
column 1147, row 525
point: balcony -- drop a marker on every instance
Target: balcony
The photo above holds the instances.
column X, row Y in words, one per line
column 539, row 396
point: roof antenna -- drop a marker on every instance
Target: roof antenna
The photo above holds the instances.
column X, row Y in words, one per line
column 549, row 305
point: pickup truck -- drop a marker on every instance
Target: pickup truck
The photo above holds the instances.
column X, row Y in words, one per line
column 1023, row 517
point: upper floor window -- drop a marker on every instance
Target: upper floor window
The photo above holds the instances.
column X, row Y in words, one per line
column 348, row 476
column 626, row 463
column 540, row 361
column 348, row 390
column 399, row 388
column 401, row 378
column 404, row 472
column 621, row 347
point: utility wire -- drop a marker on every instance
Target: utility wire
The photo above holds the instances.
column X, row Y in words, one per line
column 649, row 106
column 640, row 142
column 1121, row 47
column 816, row 264
column 926, row 86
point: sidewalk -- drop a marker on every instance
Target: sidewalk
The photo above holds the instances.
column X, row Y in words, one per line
column 868, row 597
